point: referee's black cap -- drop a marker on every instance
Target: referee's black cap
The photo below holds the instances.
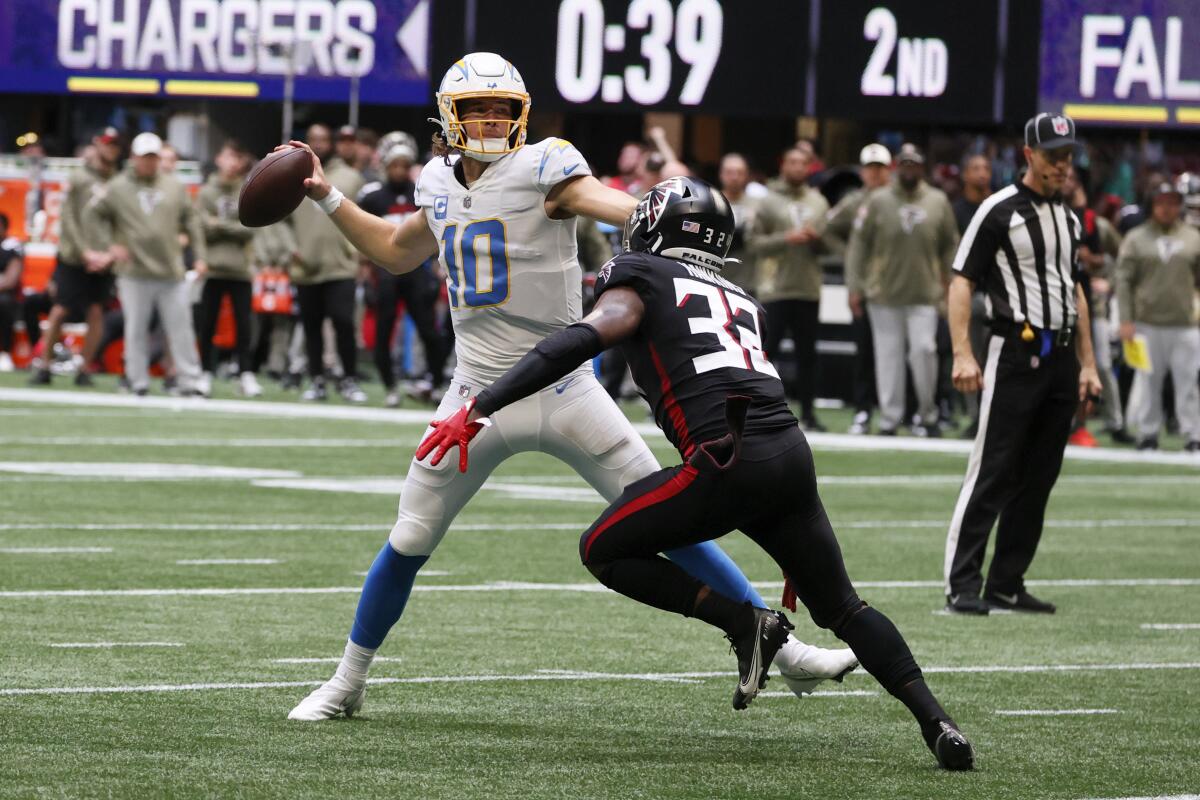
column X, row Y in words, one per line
column 1050, row 131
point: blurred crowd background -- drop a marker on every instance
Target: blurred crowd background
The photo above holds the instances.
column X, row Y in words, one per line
column 131, row 261
column 854, row 141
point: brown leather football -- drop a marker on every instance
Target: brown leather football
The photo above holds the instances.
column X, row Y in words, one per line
column 274, row 187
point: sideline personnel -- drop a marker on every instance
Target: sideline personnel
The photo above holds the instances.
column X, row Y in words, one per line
column 1021, row 248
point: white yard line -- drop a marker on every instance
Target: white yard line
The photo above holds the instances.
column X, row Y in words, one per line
column 155, row 441
column 1171, row 626
column 382, row 527
column 578, row 527
column 204, row 562
column 425, row 573
column 328, row 660
column 831, row 441
column 1062, row 712
column 825, row 693
column 54, row 550
column 1172, row 522
column 1155, row 797
column 105, row 645
column 144, row 471
column 545, row 675
column 527, row 586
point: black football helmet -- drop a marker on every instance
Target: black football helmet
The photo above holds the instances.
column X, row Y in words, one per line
column 686, row 219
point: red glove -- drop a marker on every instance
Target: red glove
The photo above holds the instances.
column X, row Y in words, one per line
column 453, row 431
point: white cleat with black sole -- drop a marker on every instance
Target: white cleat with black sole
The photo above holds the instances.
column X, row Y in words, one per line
column 803, row 667
column 336, row 696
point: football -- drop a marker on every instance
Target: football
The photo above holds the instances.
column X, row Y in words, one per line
column 274, row 187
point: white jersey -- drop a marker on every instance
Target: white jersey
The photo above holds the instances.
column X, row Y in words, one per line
column 512, row 272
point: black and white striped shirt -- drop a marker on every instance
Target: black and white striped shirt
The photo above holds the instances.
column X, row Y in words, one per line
column 1021, row 250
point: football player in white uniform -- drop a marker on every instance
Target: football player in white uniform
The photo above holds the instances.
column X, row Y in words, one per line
column 500, row 215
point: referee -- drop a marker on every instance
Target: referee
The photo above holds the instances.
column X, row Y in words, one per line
column 1021, row 251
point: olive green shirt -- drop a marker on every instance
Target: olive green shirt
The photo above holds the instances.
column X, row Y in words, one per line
column 227, row 239
column 74, row 238
column 593, row 246
column 146, row 215
column 902, row 246
column 743, row 270
column 1158, row 272
column 839, row 221
column 274, row 246
column 787, row 271
column 325, row 255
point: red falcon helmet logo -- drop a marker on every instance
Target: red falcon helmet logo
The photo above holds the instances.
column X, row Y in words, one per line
column 656, row 201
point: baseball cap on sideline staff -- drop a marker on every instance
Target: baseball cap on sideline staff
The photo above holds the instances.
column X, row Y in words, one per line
column 146, row 144
column 910, row 153
column 399, row 150
column 1050, row 131
column 109, row 135
column 875, row 154
column 1165, row 187
column 346, row 132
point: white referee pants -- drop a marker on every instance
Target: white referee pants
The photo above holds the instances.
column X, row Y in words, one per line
column 904, row 336
column 1175, row 350
column 574, row 421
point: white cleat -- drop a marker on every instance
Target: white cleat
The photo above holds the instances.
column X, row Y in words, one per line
column 336, row 696
column 804, row 666
column 249, row 385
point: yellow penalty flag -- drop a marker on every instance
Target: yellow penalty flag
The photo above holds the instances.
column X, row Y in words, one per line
column 1137, row 355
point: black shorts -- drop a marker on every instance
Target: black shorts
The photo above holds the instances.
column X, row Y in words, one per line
column 79, row 289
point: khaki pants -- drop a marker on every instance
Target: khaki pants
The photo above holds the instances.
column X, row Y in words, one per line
column 904, row 336
column 1102, row 345
column 139, row 298
column 1174, row 350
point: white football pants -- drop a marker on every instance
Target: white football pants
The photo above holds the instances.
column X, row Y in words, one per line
column 574, row 420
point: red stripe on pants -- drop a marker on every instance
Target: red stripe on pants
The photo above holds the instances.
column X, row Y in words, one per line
column 657, row 495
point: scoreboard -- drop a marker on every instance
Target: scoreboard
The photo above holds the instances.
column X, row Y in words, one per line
column 890, row 60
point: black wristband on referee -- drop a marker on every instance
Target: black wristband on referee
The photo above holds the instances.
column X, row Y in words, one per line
column 552, row 358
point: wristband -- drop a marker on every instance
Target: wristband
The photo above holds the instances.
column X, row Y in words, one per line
column 332, row 201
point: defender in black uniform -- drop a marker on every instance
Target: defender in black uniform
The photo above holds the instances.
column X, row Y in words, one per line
column 693, row 341
column 393, row 200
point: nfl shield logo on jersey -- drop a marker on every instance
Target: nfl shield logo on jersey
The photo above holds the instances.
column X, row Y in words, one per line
column 1061, row 126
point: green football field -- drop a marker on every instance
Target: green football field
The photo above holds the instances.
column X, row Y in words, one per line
column 174, row 577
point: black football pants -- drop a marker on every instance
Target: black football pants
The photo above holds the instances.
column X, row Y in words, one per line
column 333, row 300
column 214, row 291
column 770, row 494
column 1025, row 418
column 8, row 315
column 864, row 363
column 418, row 289
column 801, row 317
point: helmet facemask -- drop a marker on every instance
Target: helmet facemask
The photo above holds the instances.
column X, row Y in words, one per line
column 458, row 136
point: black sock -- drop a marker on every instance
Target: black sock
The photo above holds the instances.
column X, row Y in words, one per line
column 924, row 706
column 883, row 652
column 718, row 610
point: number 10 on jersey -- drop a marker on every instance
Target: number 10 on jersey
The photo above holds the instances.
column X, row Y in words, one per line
column 472, row 284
